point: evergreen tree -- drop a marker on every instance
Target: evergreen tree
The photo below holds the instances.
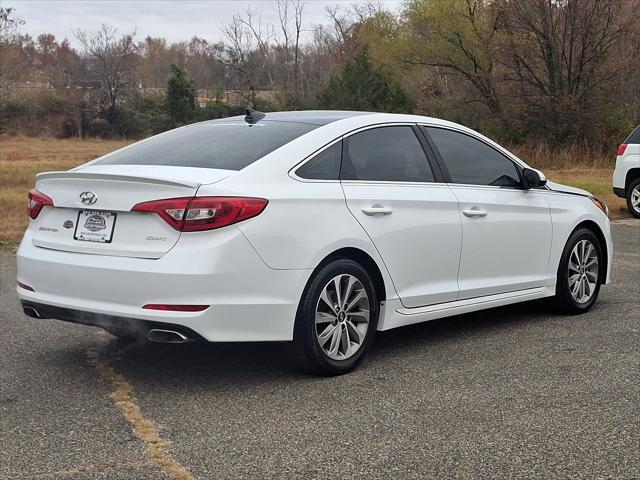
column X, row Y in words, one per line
column 181, row 95
column 362, row 85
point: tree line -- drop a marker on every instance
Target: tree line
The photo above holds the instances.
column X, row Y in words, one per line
column 557, row 71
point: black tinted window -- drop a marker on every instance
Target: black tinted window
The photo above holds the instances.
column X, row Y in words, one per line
column 472, row 161
column 391, row 154
column 228, row 145
column 634, row 137
column 324, row 166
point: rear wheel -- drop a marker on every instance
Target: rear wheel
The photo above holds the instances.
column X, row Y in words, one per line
column 579, row 272
column 633, row 198
column 336, row 320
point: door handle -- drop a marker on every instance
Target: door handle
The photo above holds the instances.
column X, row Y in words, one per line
column 377, row 210
column 474, row 212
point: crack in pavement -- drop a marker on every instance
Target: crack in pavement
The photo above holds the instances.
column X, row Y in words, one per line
column 143, row 428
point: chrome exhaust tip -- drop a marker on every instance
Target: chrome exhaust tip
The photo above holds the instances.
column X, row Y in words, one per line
column 30, row 312
column 166, row 336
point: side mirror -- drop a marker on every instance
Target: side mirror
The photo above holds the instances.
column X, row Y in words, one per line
column 533, row 178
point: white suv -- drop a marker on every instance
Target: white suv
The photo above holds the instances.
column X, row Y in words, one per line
column 626, row 176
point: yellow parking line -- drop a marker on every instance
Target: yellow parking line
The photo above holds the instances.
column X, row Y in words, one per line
column 143, row 428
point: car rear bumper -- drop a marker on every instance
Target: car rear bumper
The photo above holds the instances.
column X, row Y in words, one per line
column 134, row 327
column 620, row 192
column 248, row 301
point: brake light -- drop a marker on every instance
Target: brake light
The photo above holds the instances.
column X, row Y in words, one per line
column 621, row 149
column 37, row 200
column 195, row 214
column 176, row 308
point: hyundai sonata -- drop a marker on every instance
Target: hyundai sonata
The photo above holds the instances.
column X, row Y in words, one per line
column 312, row 228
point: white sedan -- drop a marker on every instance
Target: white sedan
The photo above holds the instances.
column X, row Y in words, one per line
column 313, row 228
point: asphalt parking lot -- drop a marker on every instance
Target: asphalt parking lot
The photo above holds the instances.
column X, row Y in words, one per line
column 516, row 392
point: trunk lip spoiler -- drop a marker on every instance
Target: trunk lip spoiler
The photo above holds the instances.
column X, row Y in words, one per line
column 114, row 177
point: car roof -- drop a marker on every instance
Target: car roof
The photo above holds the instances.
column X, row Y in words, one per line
column 349, row 120
column 314, row 117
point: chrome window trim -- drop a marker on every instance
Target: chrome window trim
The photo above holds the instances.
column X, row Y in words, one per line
column 379, row 125
column 391, row 183
column 500, row 149
column 495, row 187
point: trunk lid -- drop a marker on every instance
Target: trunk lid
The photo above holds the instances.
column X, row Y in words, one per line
column 104, row 224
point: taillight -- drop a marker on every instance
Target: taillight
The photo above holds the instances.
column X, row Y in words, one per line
column 175, row 308
column 37, row 200
column 195, row 214
column 621, row 149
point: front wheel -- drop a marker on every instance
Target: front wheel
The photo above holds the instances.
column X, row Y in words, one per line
column 633, row 198
column 579, row 272
column 336, row 320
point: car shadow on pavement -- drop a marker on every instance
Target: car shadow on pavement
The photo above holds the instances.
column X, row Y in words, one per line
column 235, row 364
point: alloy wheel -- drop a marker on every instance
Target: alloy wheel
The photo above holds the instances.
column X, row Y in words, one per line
column 583, row 271
column 342, row 317
column 635, row 198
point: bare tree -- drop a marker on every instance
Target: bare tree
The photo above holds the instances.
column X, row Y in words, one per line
column 572, row 39
column 239, row 57
column 284, row 17
column 459, row 41
column 11, row 62
column 290, row 11
column 345, row 24
column 262, row 34
column 113, row 60
column 298, row 11
column 559, row 55
column 9, row 23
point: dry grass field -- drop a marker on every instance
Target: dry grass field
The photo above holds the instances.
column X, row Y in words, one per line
column 22, row 157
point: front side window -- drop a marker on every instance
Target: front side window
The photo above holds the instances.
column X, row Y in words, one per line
column 470, row 161
column 324, row 166
column 389, row 154
column 221, row 144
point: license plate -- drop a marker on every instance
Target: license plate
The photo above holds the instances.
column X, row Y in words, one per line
column 95, row 226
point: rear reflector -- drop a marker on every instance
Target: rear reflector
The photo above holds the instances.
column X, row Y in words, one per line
column 37, row 200
column 176, row 308
column 195, row 214
column 25, row 287
column 621, row 149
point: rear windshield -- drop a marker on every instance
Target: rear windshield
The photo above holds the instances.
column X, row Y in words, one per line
column 634, row 137
column 226, row 145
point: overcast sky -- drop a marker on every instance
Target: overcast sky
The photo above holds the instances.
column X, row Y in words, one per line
column 174, row 20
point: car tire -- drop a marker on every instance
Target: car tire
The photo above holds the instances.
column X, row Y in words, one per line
column 332, row 339
column 633, row 198
column 578, row 281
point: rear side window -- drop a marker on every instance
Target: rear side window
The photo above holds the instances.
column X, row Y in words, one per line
column 227, row 145
column 634, row 137
column 390, row 154
column 470, row 161
column 324, row 166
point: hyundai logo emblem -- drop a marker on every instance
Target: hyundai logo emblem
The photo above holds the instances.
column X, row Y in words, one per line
column 88, row 198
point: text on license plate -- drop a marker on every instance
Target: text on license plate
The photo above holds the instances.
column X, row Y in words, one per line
column 95, row 226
